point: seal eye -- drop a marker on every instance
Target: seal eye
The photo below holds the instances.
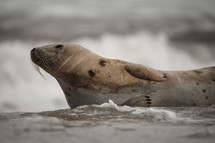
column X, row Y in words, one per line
column 59, row 47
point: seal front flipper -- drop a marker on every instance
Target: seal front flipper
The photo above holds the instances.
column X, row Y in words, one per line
column 139, row 100
column 145, row 73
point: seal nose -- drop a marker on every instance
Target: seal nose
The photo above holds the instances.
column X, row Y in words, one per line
column 33, row 50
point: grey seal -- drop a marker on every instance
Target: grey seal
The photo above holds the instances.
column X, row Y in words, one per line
column 87, row 78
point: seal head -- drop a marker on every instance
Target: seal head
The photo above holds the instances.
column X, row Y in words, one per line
column 54, row 58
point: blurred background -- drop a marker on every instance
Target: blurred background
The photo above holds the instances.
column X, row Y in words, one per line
column 162, row 34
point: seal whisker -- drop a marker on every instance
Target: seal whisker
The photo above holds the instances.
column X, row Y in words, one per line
column 52, row 63
column 48, row 64
column 66, row 38
column 37, row 68
column 45, row 64
column 56, row 60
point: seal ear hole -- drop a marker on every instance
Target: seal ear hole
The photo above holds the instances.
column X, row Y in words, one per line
column 206, row 97
column 102, row 63
column 59, row 47
column 91, row 73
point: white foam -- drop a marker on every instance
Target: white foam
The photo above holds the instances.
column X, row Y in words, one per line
column 110, row 104
column 155, row 113
column 152, row 113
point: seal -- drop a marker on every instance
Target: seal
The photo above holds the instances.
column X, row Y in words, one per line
column 87, row 78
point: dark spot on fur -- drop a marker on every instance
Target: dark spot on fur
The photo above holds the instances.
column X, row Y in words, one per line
column 133, row 90
column 206, row 97
column 194, row 104
column 91, row 73
column 198, row 71
column 197, row 83
column 102, row 63
column 59, row 46
column 149, row 102
column 213, row 81
column 147, row 96
column 204, row 90
column 164, row 75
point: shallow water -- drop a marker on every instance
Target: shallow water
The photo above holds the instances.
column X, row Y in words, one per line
column 111, row 123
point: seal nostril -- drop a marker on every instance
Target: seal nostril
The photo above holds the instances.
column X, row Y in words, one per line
column 33, row 50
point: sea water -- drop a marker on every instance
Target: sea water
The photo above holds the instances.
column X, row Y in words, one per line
column 111, row 123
